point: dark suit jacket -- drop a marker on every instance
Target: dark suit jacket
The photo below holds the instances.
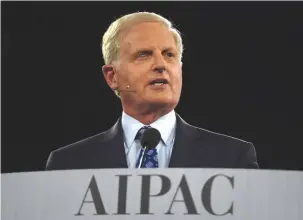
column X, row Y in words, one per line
column 193, row 147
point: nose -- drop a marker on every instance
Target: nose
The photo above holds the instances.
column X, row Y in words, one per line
column 159, row 64
column 159, row 69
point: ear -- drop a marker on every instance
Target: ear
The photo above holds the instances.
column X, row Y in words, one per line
column 110, row 76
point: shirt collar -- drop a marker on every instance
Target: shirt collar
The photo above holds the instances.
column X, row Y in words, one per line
column 165, row 125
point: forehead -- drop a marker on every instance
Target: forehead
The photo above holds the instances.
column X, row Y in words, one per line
column 147, row 35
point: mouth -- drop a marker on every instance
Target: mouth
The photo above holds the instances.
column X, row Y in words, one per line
column 159, row 82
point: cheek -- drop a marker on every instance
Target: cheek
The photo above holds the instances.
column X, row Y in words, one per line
column 177, row 77
column 127, row 75
column 138, row 74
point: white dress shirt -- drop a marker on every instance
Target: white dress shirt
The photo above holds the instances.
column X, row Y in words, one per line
column 166, row 125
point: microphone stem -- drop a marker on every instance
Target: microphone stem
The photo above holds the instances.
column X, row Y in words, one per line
column 142, row 157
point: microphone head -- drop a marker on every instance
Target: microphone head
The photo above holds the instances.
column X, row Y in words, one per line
column 150, row 138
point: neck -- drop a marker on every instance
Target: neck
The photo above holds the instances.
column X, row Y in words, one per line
column 147, row 117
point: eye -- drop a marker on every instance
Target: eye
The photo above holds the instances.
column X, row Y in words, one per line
column 143, row 54
column 170, row 54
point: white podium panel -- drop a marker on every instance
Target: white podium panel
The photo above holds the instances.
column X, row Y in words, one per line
column 162, row 194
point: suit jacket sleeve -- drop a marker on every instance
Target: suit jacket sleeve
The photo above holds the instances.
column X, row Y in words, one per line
column 248, row 159
column 52, row 162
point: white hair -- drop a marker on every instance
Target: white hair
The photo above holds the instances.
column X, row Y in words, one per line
column 110, row 41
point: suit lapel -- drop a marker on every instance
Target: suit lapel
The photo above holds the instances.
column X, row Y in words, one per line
column 186, row 148
column 114, row 147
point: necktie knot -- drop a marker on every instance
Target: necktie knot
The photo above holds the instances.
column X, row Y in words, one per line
column 141, row 131
column 151, row 156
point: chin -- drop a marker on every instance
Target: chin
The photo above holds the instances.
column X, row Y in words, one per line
column 161, row 99
column 163, row 102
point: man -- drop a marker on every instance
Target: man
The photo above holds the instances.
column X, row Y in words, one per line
column 142, row 54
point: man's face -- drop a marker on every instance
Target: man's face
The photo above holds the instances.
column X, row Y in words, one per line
column 149, row 64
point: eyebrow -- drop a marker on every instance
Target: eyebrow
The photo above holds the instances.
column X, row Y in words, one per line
column 151, row 50
column 169, row 49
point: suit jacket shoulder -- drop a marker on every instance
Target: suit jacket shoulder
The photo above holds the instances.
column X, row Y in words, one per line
column 104, row 150
column 204, row 148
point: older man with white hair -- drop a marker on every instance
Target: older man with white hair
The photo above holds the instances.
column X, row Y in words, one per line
column 142, row 54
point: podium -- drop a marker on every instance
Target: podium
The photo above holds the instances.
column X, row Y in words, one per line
column 163, row 194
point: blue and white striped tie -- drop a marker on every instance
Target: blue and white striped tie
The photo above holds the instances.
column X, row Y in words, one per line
column 151, row 158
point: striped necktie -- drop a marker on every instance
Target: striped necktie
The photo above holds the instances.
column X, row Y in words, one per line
column 151, row 158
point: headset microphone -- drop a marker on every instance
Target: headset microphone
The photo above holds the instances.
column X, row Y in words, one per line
column 126, row 90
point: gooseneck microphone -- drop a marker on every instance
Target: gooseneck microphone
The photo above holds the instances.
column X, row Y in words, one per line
column 149, row 140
